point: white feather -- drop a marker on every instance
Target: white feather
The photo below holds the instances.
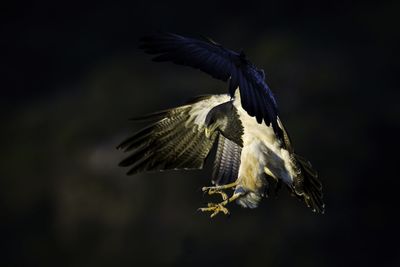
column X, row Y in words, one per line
column 199, row 110
column 261, row 153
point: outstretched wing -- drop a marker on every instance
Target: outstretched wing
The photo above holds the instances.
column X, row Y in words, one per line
column 307, row 185
column 221, row 63
column 176, row 139
column 227, row 161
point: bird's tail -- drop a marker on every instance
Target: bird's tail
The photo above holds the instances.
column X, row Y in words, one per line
column 307, row 185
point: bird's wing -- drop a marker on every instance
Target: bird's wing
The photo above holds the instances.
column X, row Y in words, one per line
column 227, row 161
column 307, row 185
column 221, row 63
column 176, row 140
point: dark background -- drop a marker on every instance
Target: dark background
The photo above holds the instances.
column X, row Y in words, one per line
column 71, row 76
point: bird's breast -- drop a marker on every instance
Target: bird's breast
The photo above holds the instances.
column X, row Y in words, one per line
column 262, row 151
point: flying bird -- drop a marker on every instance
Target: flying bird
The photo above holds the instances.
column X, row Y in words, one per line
column 253, row 146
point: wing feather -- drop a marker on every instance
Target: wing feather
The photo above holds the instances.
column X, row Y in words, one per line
column 307, row 185
column 175, row 141
column 227, row 161
column 222, row 64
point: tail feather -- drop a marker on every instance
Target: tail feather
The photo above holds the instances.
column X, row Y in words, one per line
column 308, row 187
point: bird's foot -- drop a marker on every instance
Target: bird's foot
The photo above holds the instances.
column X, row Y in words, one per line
column 216, row 208
column 218, row 189
column 212, row 190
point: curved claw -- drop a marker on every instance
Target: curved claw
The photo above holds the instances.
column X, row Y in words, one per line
column 215, row 209
column 206, row 188
column 218, row 209
column 212, row 191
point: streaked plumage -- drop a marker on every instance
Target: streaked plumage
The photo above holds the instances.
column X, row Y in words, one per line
column 248, row 151
column 176, row 140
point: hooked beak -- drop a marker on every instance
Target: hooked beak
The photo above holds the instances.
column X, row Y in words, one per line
column 207, row 132
column 210, row 130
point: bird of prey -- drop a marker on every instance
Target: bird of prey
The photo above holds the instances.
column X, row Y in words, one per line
column 252, row 145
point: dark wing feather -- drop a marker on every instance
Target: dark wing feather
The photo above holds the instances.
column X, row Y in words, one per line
column 204, row 55
column 307, row 185
column 172, row 142
column 227, row 162
column 221, row 63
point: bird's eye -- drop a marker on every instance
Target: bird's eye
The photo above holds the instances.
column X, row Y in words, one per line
column 209, row 120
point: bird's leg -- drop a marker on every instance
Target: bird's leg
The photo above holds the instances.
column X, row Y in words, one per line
column 218, row 189
column 216, row 208
column 222, row 193
column 219, row 207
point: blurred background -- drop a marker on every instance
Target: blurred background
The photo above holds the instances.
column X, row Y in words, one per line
column 72, row 75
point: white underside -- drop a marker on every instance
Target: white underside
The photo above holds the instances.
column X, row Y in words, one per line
column 261, row 152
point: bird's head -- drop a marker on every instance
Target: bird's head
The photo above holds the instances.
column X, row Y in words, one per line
column 211, row 125
column 216, row 120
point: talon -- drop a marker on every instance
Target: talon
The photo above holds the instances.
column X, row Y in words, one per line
column 223, row 195
column 220, row 187
column 224, row 209
column 213, row 190
column 205, row 188
column 206, row 209
column 216, row 208
column 214, row 213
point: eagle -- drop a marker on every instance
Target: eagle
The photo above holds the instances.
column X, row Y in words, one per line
column 253, row 148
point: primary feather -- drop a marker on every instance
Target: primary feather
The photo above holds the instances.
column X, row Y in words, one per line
column 248, row 150
column 175, row 141
column 223, row 64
